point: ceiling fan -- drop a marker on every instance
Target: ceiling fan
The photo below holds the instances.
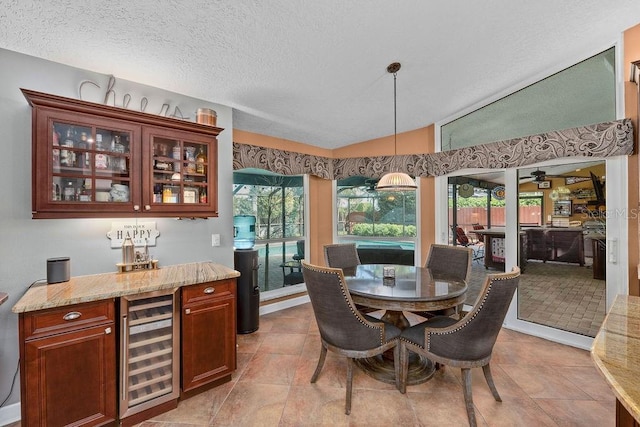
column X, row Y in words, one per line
column 371, row 185
column 540, row 175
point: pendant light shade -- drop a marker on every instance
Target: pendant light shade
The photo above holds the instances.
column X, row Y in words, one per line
column 395, row 181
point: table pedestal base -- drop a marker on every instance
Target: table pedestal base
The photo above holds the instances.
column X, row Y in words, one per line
column 379, row 367
column 396, row 318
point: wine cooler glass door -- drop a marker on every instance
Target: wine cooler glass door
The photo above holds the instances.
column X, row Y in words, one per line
column 149, row 366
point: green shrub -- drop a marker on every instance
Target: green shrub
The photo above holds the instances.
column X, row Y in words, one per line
column 383, row 230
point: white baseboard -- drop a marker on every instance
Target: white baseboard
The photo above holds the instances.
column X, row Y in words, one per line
column 10, row 414
column 281, row 305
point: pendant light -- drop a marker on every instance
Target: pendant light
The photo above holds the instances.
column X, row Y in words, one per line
column 395, row 181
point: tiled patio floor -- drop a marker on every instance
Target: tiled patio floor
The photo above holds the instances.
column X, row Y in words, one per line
column 559, row 295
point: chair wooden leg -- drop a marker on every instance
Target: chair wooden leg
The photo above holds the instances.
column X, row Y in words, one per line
column 487, row 375
column 323, row 355
column 403, row 361
column 396, row 364
column 347, row 409
column 468, row 398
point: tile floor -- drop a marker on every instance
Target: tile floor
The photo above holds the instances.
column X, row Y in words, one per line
column 561, row 295
column 541, row 383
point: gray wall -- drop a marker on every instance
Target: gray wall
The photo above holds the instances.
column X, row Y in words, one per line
column 25, row 244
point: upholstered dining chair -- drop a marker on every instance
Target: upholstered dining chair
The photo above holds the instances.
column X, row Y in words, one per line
column 345, row 256
column 466, row 343
column 343, row 329
column 342, row 255
column 450, row 261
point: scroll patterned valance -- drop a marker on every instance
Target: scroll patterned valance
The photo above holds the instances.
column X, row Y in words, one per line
column 614, row 138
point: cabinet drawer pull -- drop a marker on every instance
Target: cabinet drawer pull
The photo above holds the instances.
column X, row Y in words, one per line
column 73, row 315
column 209, row 290
column 107, row 331
column 187, row 311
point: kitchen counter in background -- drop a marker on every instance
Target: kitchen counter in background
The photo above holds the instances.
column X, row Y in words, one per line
column 112, row 285
column 616, row 353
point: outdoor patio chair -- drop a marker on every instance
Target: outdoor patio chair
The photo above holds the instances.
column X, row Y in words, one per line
column 463, row 240
column 299, row 256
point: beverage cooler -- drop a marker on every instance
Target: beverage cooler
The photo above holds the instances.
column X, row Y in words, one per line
column 150, row 344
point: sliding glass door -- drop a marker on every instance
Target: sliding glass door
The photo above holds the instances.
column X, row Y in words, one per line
column 564, row 283
column 566, row 231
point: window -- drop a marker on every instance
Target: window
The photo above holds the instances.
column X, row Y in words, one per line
column 579, row 95
column 277, row 202
column 375, row 218
column 530, row 210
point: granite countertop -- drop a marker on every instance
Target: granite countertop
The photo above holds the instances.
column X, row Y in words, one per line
column 616, row 351
column 112, row 285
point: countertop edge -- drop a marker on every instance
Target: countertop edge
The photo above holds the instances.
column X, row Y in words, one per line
column 617, row 389
column 81, row 289
column 615, row 384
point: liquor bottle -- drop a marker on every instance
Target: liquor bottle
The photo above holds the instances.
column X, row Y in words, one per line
column 67, row 156
column 102, row 160
column 56, row 149
column 69, row 193
column 203, row 195
column 157, row 193
column 189, row 156
column 128, row 252
column 84, row 195
column 162, row 164
column 201, row 162
column 118, row 164
column 82, row 157
column 175, row 153
column 55, row 195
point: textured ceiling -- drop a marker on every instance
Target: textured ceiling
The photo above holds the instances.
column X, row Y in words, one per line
column 315, row 71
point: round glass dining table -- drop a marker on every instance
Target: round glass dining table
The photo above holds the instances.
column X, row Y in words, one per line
column 398, row 288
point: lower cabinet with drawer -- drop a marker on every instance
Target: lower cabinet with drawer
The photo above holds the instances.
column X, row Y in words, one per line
column 68, row 365
column 208, row 323
column 68, row 355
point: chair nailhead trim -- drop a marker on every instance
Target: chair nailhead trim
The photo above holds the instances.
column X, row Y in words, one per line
column 357, row 314
column 474, row 313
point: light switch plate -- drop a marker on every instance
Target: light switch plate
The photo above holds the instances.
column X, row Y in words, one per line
column 215, row 240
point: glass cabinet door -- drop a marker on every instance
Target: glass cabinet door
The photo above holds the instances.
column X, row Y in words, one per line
column 90, row 164
column 180, row 171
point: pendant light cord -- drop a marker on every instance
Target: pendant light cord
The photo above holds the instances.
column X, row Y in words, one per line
column 395, row 119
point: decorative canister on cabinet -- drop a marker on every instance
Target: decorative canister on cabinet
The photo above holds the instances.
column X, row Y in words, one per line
column 206, row 116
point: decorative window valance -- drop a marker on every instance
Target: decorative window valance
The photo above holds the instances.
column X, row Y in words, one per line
column 281, row 161
column 614, row 138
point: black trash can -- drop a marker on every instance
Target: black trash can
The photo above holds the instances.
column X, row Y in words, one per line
column 248, row 304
